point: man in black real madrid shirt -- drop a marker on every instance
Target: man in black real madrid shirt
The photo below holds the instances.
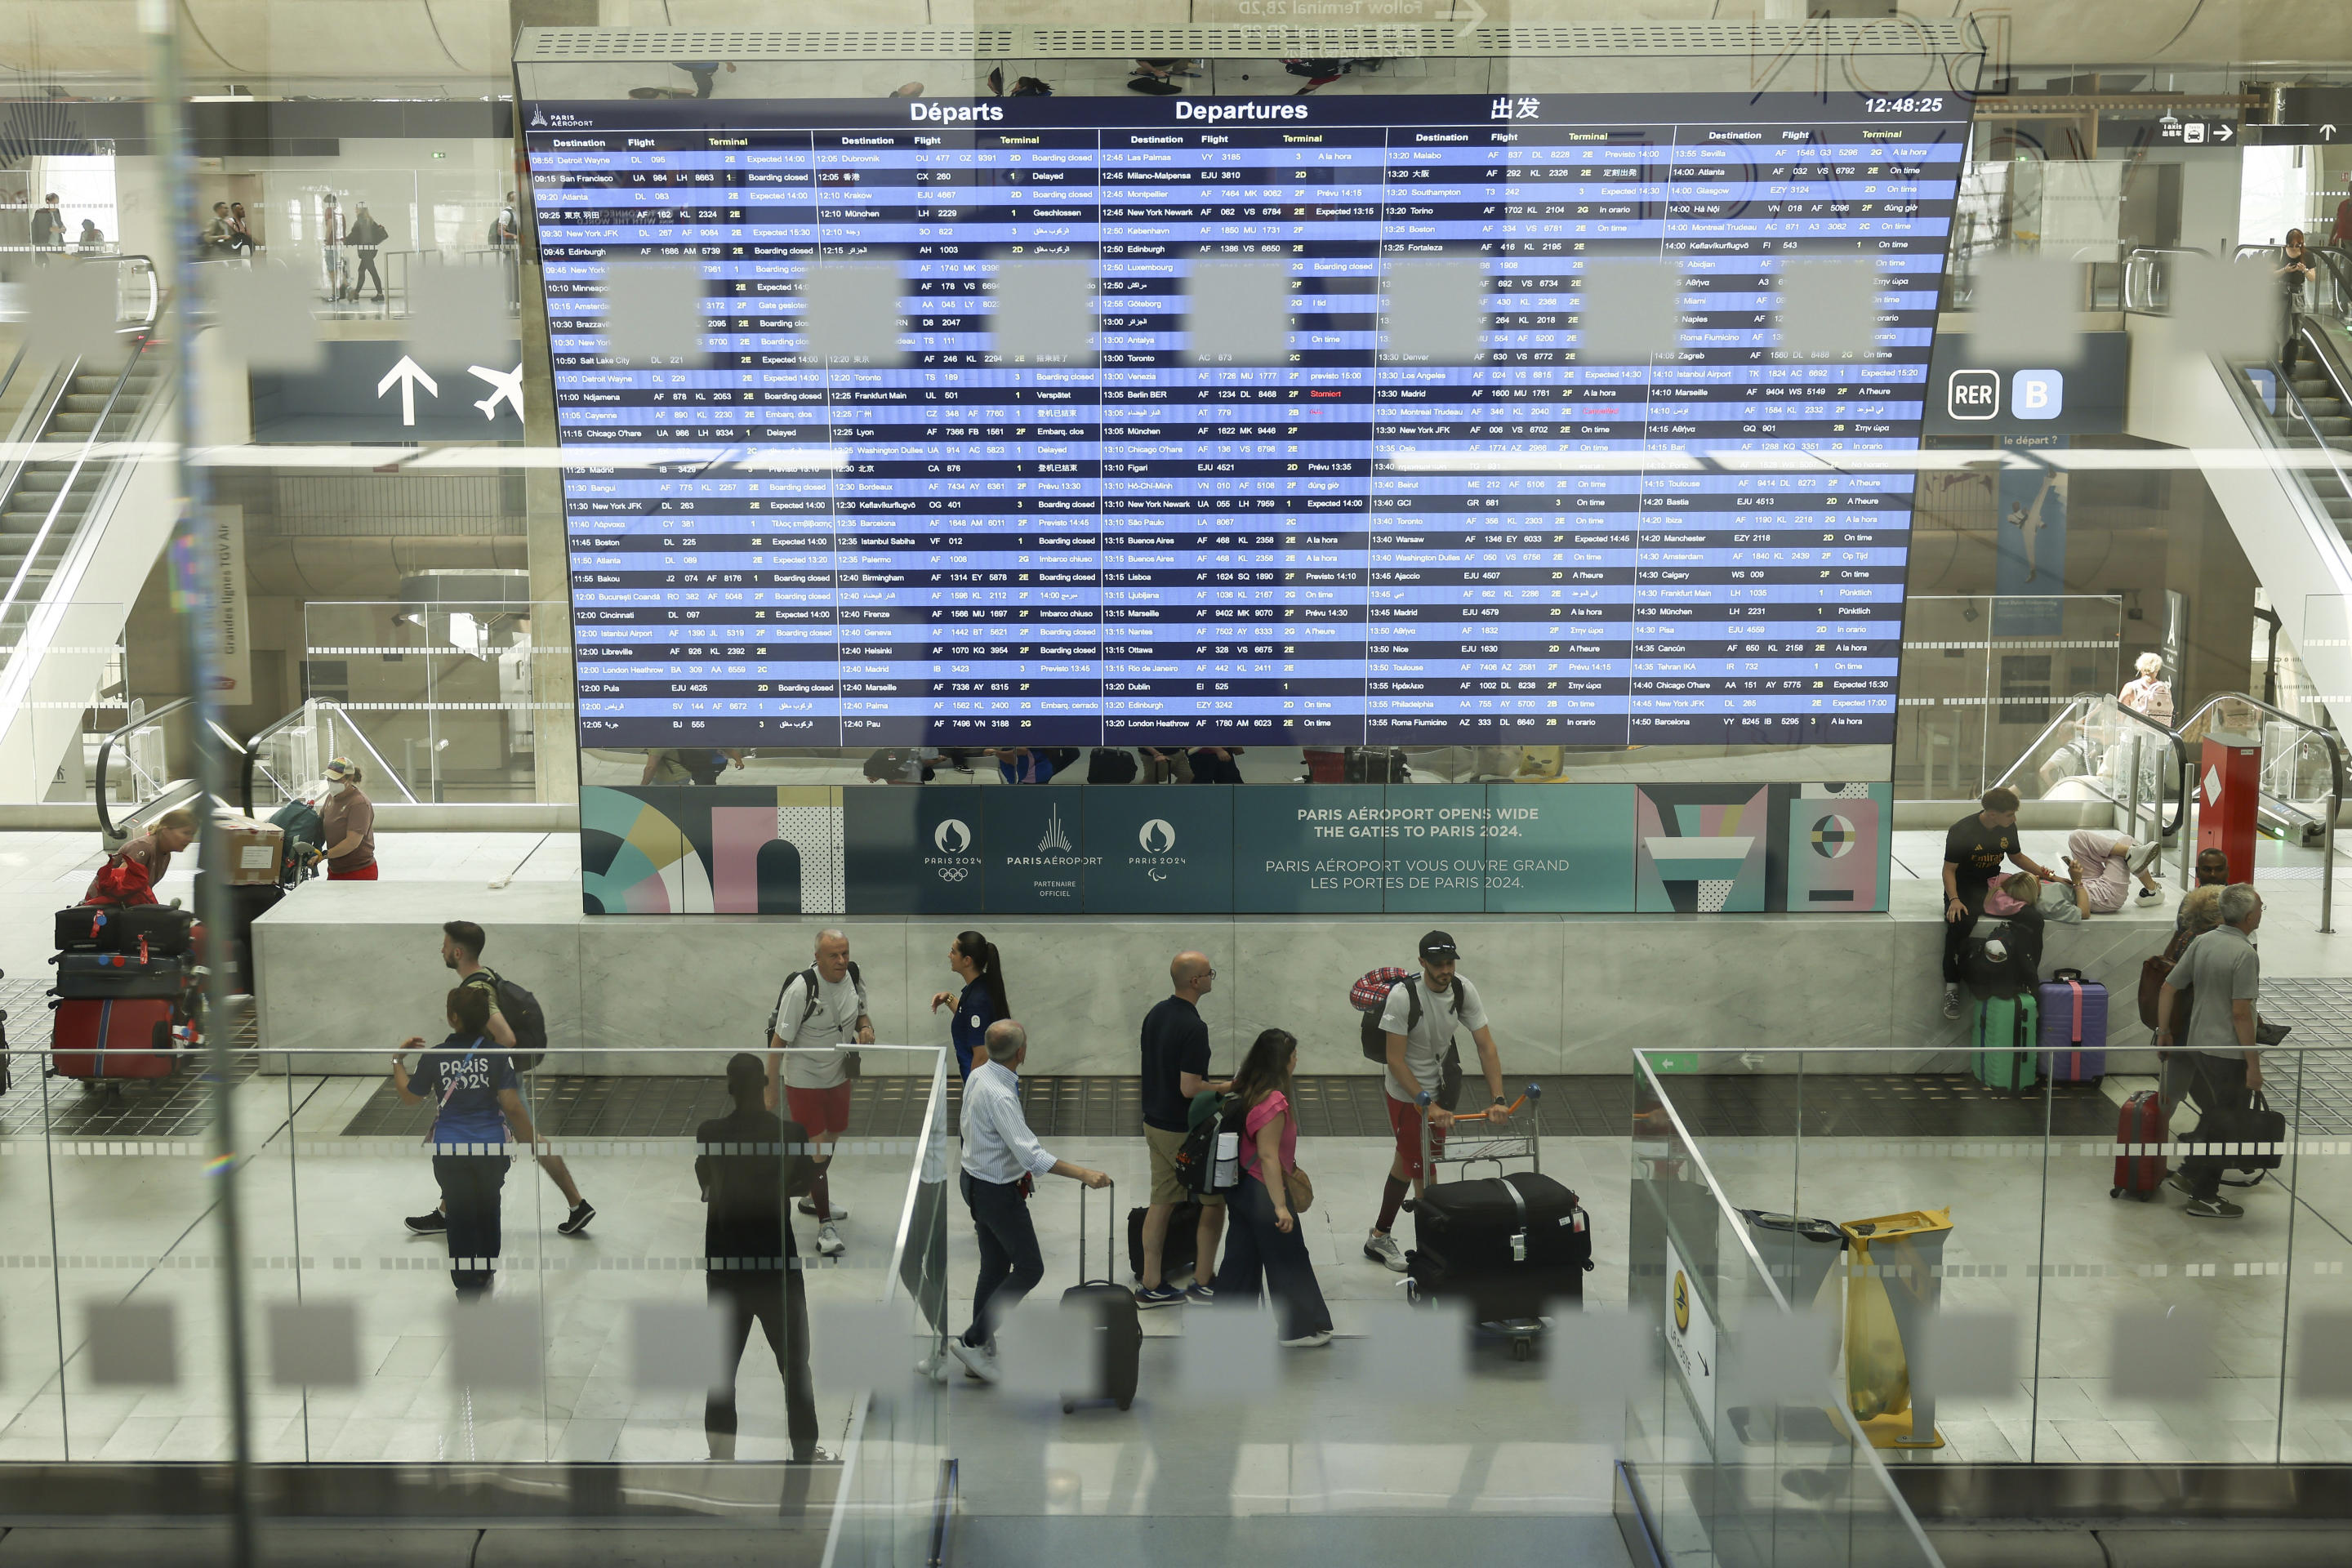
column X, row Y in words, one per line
column 1973, row 851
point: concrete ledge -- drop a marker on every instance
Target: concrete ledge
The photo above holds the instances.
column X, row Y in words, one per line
column 353, row 967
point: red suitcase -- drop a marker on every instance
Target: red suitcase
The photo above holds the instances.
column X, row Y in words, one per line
column 2140, row 1134
column 113, row 1040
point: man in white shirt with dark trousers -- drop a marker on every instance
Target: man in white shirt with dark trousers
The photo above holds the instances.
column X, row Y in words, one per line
column 1000, row 1157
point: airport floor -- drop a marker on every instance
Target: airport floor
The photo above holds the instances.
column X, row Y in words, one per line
column 2036, row 1234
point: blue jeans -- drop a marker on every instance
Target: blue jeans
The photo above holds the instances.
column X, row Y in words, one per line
column 1256, row 1252
column 1009, row 1263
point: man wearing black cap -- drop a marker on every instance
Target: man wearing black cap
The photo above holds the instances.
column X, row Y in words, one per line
column 1421, row 1019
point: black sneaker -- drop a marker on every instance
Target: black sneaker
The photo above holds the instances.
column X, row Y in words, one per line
column 432, row 1224
column 582, row 1213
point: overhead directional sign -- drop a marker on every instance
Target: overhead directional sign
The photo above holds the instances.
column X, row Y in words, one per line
column 377, row 390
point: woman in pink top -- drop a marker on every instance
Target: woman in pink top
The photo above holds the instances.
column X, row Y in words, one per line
column 1264, row 1245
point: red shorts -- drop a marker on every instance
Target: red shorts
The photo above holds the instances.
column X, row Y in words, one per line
column 356, row 874
column 1404, row 1120
column 820, row 1111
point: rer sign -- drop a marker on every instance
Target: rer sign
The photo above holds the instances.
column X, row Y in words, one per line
column 1973, row 394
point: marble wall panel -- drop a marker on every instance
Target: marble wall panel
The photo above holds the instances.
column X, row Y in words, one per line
column 355, row 965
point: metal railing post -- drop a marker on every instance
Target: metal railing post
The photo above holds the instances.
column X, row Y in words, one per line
column 2131, row 810
column 196, row 586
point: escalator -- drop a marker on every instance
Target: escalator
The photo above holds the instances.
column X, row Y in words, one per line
column 86, row 506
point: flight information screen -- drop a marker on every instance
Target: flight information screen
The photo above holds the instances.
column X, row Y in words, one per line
column 1183, row 420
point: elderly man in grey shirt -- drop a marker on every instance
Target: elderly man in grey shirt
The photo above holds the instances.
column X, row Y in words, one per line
column 2223, row 974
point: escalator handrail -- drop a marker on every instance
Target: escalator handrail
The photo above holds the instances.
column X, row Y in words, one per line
column 141, row 340
column 106, row 750
column 346, row 715
column 252, row 754
column 2327, row 736
column 2317, row 342
column 2335, row 790
column 2085, row 701
column 252, row 751
column 2149, row 253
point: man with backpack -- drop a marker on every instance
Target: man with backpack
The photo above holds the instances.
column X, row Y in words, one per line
column 1176, row 1068
column 519, row 1027
column 1417, row 1025
column 818, row 1011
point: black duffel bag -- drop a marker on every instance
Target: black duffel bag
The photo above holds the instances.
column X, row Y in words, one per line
column 1507, row 1245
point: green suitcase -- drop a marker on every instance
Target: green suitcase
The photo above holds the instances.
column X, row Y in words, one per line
column 2000, row 1053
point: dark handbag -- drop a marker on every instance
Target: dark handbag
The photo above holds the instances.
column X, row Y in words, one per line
column 853, row 1066
column 2255, row 1133
column 2154, row 971
column 1449, row 1077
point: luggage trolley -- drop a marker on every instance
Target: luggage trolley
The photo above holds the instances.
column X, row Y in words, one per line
column 1490, row 1145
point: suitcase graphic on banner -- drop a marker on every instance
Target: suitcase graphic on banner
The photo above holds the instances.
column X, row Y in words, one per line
column 2073, row 1033
column 2000, row 1043
column 113, row 1040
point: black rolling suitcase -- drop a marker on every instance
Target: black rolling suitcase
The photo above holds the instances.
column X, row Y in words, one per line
column 1513, row 1247
column 1116, row 1328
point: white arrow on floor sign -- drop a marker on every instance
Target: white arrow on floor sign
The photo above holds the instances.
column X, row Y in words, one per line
column 1462, row 23
column 409, row 374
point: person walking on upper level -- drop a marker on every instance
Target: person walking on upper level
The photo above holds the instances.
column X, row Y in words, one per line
column 2225, row 973
column 1002, row 1158
column 818, row 1011
column 1421, row 1017
column 48, row 229
column 1176, row 1068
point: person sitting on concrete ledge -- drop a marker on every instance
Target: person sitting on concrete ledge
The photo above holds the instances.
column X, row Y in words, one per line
column 2062, row 901
column 1974, row 848
column 2105, row 863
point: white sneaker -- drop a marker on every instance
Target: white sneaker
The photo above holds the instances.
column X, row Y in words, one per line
column 2143, row 856
column 1315, row 1341
column 934, row 1366
column 1951, row 1001
column 840, row 1211
column 977, row 1359
column 829, row 1243
column 2151, row 895
column 1384, row 1250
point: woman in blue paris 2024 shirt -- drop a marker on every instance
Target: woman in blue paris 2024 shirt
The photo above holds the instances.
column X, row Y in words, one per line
column 981, row 1002
column 475, row 1099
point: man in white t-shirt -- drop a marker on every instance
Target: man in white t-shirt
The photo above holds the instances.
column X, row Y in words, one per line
column 1446, row 1002
column 807, row 1062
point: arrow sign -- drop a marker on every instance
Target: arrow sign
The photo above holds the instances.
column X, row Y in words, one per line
column 2225, row 132
column 2327, row 132
column 409, row 374
column 1464, row 24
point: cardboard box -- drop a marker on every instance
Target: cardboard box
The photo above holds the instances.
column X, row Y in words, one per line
column 253, row 850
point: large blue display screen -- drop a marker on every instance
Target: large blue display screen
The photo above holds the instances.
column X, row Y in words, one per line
column 1142, row 520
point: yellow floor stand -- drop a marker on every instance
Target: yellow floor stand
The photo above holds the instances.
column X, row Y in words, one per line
column 1893, row 1285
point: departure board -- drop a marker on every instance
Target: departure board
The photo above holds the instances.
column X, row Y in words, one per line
column 960, row 538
